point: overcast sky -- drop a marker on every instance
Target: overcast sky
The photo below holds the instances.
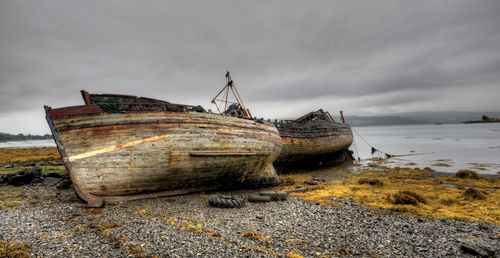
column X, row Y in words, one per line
column 286, row 57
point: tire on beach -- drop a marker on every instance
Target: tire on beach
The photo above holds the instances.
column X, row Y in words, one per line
column 275, row 195
column 225, row 201
column 259, row 198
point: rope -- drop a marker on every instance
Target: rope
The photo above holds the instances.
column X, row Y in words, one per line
column 356, row 148
column 361, row 137
column 373, row 150
column 387, row 155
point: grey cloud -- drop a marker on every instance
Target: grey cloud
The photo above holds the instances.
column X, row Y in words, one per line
column 376, row 55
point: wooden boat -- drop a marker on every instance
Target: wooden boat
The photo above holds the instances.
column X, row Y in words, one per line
column 312, row 139
column 143, row 148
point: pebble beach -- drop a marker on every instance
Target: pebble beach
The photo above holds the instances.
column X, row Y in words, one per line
column 53, row 223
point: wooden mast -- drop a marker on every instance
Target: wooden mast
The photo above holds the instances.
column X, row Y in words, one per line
column 231, row 86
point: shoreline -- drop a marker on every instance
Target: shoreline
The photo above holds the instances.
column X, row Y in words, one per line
column 438, row 174
column 33, row 144
column 482, row 121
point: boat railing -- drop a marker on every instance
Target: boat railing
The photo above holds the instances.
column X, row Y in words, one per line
column 134, row 103
column 158, row 107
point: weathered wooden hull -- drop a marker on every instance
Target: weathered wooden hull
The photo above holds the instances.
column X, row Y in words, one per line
column 306, row 145
column 130, row 155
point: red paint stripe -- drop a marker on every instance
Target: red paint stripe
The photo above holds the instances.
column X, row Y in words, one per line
column 83, row 110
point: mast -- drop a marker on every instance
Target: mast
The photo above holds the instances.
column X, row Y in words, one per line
column 239, row 101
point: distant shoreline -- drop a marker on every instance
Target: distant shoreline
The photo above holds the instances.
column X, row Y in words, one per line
column 4, row 141
column 482, row 121
column 7, row 137
column 27, row 140
column 27, row 143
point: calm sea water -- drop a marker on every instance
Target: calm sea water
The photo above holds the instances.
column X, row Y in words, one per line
column 33, row 143
column 470, row 146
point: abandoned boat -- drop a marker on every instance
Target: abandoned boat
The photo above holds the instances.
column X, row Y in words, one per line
column 313, row 139
column 122, row 147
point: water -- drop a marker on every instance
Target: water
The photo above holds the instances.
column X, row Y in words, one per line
column 461, row 146
column 31, row 143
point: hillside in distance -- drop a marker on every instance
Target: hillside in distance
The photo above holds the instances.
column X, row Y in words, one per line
column 381, row 120
column 4, row 137
column 439, row 117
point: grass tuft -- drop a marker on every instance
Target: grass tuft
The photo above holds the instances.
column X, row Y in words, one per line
column 13, row 250
column 293, row 255
column 374, row 182
column 408, row 197
column 474, row 194
column 467, row 173
column 255, row 236
column 441, row 165
column 10, row 204
column 105, row 226
column 287, row 181
column 449, row 201
column 344, row 251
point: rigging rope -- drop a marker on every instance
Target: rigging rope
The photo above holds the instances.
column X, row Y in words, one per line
column 387, row 155
column 356, row 148
column 373, row 150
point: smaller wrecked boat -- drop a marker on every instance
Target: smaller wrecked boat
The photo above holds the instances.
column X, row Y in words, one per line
column 122, row 147
column 313, row 139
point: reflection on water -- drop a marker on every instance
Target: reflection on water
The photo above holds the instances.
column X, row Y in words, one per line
column 445, row 148
column 33, row 143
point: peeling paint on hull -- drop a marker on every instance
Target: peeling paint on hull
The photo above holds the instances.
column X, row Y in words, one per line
column 140, row 154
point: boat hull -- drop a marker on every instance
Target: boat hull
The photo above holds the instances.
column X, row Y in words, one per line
column 131, row 155
column 309, row 145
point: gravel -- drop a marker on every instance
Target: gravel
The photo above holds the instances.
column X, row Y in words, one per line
column 54, row 222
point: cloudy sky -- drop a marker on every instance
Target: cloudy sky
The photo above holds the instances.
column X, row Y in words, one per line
column 286, row 57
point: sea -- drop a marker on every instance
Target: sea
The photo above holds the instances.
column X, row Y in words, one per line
column 29, row 143
column 444, row 148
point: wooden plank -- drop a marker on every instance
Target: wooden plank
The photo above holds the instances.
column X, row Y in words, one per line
column 217, row 153
column 82, row 110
